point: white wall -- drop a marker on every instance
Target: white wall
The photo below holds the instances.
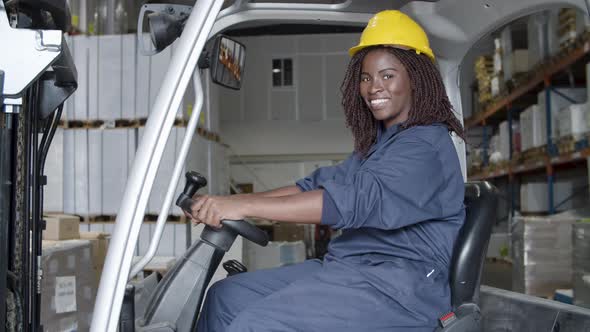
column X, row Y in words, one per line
column 304, row 118
column 300, row 120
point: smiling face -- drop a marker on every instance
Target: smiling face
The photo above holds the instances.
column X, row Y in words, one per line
column 385, row 87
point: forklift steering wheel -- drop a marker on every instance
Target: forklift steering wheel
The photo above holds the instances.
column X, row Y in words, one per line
column 194, row 182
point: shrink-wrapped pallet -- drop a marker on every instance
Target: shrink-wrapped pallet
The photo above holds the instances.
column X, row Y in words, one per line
column 542, row 254
column 68, row 285
column 581, row 263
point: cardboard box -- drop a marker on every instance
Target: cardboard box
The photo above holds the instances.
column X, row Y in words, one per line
column 99, row 243
column 288, row 232
column 61, row 227
column 519, row 62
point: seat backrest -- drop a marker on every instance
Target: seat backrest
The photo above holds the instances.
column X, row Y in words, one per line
column 471, row 245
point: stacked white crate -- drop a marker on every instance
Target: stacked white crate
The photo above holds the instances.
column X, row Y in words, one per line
column 108, row 69
column 164, row 173
column 173, row 243
column 96, row 166
column 117, row 82
column 558, row 102
column 495, row 154
column 514, row 60
column 54, row 170
column 542, row 36
column 534, row 196
column 219, row 170
column 504, row 141
column 572, row 120
column 533, row 133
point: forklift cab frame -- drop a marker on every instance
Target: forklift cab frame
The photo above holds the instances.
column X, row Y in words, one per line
column 453, row 27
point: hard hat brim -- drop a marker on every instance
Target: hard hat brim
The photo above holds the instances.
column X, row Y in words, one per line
column 354, row 50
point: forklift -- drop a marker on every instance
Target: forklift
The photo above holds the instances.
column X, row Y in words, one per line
column 31, row 103
column 37, row 75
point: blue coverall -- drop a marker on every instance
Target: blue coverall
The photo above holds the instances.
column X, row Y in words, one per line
column 400, row 210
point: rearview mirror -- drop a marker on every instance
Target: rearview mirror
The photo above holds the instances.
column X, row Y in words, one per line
column 159, row 25
column 227, row 62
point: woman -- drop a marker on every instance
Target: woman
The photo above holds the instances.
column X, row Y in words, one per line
column 398, row 200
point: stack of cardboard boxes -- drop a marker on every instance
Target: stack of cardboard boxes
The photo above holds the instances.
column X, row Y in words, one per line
column 72, row 262
column 484, row 69
column 571, row 24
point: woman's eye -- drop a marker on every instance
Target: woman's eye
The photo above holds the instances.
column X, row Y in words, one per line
column 365, row 79
column 387, row 76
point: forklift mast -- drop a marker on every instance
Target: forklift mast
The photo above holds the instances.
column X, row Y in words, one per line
column 37, row 75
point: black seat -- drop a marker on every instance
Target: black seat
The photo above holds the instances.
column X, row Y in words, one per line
column 468, row 258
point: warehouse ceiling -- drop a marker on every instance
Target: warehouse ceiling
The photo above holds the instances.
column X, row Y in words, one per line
column 292, row 29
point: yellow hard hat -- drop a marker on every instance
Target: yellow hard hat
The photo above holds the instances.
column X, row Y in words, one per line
column 392, row 27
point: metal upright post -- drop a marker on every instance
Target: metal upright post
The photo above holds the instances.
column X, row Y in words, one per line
column 550, row 146
column 485, row 145
column 5, row 172
column 147, row 159
column 510, row 174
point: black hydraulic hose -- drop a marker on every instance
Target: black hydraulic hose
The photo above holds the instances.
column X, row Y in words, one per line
column 46, row 140
column 35, row 252
column 39, row 182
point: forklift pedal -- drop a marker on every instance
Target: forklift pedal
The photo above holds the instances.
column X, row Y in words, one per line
column 234, row 267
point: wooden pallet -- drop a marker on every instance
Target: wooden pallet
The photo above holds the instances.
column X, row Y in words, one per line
column 98, row 218
column 103, row 218
column 171, row 218
column 102, row 124
column 517, row 158
column 498, row 166
column 79, row 124
column 473, row 170
column 534, row 153
column 566, row 145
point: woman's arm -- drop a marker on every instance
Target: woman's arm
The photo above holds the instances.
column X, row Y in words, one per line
column 283, row 191
column 302, row 207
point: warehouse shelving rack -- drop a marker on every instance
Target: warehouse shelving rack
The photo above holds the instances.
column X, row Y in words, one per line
column 503, row 108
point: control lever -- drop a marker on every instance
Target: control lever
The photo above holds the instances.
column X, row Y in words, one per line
column 194, row 182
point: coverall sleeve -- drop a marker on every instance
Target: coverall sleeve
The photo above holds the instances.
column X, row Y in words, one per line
column 397, row 188
column 323, row 174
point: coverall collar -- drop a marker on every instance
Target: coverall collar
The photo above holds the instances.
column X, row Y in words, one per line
column 383, row 135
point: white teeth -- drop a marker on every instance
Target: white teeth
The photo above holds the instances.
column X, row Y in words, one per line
column 377, row 102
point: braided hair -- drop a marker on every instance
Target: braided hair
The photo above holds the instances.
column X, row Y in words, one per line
column 430, row 103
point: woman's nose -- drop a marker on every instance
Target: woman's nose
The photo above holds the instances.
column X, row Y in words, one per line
column 376, row 86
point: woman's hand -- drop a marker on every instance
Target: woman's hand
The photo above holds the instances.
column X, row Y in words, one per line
column 211, row 210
